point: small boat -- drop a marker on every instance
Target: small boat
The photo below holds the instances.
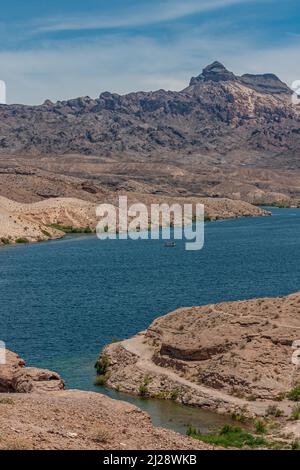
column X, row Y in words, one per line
column 170, row 244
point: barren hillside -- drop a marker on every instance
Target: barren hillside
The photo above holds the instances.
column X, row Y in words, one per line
column 222, row 136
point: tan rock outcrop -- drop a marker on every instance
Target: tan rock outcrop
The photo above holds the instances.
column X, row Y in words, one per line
column 219, row 356
column 16, row 378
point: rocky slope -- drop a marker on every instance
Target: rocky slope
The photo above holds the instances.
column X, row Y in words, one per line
column 36, row 413
column 23, row 181
column 225, row 356
column 217, row 113
column 31, row 179
column 22, row 223
column 77, row 420
column 222, row 136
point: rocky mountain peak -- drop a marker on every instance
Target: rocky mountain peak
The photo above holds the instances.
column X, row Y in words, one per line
column 215, row 72
column 48, row 103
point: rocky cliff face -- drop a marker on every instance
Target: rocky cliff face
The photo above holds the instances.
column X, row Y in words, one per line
column 218, row 113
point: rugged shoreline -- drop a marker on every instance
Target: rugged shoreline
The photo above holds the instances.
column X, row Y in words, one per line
column 36, row 413
column 232, row 358
column 51, row 219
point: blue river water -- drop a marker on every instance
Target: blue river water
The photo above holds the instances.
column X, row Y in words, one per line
column 62, row 301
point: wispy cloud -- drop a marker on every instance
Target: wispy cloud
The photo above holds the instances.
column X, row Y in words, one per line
column 120, row 63
column 39, row 63
column 139, row 16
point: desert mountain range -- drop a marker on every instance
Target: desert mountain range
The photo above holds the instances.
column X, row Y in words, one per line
column 217, row 114
column 222, row 136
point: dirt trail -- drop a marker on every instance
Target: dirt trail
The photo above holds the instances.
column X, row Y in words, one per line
column 232, row 357
column 138, row 347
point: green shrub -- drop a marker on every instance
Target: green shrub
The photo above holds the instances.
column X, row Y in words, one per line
column 22, row 240
column 58, row 227
column 70, row 229
column 143, row 390
column 100, row 380
column 174, row 395
column 47, row 234
column 294, row 394
column 102, row 365
column 101, row 435
column 229, row 436
column 260, row 426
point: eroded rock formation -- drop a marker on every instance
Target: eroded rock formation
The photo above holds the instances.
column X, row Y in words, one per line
column 15, row 377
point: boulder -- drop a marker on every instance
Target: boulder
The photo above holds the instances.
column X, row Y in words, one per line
column 15, row 377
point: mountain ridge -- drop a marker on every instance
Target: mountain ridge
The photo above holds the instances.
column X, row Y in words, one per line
column 203, row 117
column 222, row 136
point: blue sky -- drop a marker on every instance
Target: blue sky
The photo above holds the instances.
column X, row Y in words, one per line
column 62, row 49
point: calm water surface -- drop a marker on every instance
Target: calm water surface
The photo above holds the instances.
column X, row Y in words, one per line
column 62, row 301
